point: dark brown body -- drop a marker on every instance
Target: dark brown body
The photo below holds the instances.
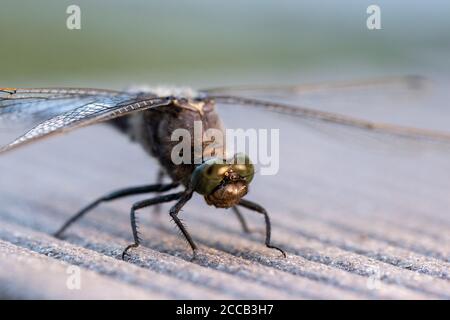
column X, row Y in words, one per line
column 153, row 130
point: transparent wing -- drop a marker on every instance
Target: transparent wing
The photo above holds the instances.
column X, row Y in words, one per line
column 383, row 110
column 337, row 108
column 22, row 106
column 62, row 110
column 347, row 127
column 334, row 118
column 409, row 82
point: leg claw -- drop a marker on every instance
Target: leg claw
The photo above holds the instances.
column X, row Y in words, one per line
column 280, row 250
column 124, row 253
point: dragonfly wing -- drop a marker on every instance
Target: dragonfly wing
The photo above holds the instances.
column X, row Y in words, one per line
column 409, row 82
column 337, row 108
column 30, row 105
column 62, row 110
column 321, row 119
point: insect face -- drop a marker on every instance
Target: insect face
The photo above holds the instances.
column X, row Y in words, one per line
column 223, row 183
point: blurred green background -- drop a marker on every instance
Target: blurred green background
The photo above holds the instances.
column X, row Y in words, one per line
column 205, row 42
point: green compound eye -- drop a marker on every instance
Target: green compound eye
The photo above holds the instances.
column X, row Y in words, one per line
column 207, row 176
column 243, row 166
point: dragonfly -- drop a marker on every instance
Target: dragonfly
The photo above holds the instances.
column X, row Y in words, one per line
column 150, row 116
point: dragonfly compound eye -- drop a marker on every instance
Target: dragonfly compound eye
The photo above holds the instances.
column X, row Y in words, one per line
column 209, row 175
column 243, row 167
column 223, row 183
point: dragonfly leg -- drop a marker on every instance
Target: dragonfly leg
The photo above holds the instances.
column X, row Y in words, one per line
column 241, row 219
column 112, row 196
column 143, row 204
column 256, row 207
column 243, row 222
column 174, row 214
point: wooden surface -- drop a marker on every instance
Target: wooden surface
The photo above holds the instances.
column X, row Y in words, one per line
column 357, row 223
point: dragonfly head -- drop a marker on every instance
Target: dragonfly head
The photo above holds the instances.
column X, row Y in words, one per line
column 223, row 182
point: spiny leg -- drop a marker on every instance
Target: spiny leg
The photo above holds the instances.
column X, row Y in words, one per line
column 256, row 207
column 143, row 204
column 112, row 196
column 174, row 214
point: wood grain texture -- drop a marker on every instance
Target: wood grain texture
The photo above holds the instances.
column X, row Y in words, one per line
column 357, row 223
